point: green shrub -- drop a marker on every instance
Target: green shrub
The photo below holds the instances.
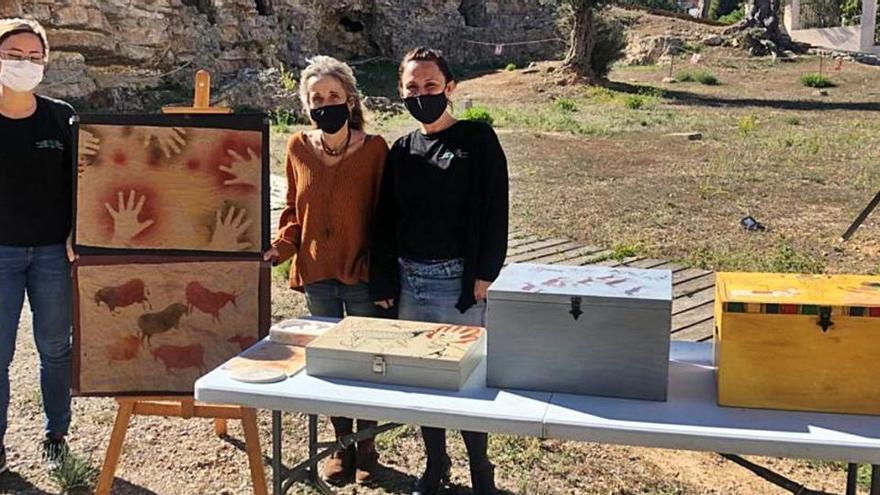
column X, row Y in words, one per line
column 792, row 120
column 510, row 67
column 565, row 104
column 635, row 102
column 282, row 271
column 74, row 474
column 747, row 125
column 707, row 78
column 816, row 81
column 700, row 76
column 288, row 80
column 478, row 114
column 733, row 17
column 721, row 8
column 610, row 45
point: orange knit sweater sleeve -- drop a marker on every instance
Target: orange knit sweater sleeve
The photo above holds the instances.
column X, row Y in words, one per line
column 289, row 227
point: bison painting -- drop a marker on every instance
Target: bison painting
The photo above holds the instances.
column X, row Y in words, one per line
column 176, row 357
column 207, row 301
column 132, row 292
column 155, row 323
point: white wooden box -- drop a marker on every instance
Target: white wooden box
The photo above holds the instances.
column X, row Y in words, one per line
column 582, row 330
column 397, row 352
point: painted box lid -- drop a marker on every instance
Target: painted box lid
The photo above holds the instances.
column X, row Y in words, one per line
column 596, row 285
column 784, row 293
column 425, row 345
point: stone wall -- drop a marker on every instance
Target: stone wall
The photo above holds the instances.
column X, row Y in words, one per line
column 106, row 46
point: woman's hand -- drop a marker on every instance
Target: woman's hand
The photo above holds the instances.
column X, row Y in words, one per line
column 71, row 255
column 272, row 255
column 386, row 304
column 481, row 290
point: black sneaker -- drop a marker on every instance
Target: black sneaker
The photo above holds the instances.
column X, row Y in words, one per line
column 53, row 450
column 3, row 465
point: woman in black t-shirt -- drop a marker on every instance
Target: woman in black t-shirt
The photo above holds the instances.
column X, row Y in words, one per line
column 35, row 220
column 440, row 231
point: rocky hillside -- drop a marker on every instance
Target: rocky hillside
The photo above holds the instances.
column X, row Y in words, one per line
column 105, row 49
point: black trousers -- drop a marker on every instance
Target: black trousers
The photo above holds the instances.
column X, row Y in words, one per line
column 477, row 445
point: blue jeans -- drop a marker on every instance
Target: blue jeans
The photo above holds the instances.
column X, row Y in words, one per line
column 334, row 299
column 44, row 274
column 429, row 292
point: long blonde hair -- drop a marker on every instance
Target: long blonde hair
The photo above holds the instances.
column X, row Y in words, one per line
column 323, row 66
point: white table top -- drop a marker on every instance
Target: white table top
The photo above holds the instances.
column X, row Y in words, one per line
column 474, row 408
column 689, row 420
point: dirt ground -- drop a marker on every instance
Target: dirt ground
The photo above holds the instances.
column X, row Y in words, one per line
column 600, row 168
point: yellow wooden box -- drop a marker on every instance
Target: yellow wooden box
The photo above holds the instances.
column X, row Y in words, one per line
column 798, row 342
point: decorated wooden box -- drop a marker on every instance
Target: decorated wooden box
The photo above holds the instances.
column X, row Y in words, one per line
column 397, row 352
column 798, row 342
column 580, row 330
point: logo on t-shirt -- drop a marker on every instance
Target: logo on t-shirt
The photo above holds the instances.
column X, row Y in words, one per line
column 444, row 160
column 49, row 144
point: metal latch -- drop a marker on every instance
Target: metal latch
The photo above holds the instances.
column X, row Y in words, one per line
column 576, row 307
column 825, row 318
column 379, row 365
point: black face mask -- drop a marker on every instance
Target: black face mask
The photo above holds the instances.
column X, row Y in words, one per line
column 331, row 118
column 427, row 108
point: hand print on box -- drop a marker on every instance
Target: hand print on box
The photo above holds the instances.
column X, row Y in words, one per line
column 156, row 186
column 145, row 319
column 598, row 281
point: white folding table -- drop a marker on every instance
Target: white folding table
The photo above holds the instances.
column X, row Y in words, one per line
column 689, row 420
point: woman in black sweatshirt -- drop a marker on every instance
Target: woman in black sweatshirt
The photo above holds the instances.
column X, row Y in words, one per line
column 440, row 231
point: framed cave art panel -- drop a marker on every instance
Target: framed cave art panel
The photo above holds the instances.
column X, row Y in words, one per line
column 153, row 325
column 172, row 183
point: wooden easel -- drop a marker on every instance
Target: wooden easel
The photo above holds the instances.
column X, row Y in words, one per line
column 185, row 407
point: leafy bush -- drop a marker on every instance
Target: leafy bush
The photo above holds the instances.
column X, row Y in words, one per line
column 478, row 114
column 610, row 45
column 510, row 67
column 816, row 81
column 700, row 76
column 707, row 78
column 747, row 125
column 74, row 474
column 734, row 17
column 636, row 102
column 566, row 104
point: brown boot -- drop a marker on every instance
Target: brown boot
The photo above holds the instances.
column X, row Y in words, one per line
column 367, row 462
column 338, row 470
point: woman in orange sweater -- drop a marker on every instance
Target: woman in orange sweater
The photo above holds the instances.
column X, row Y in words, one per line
column 333, row 178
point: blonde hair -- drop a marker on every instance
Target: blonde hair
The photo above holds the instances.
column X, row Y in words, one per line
column 324, row 66
column 17, row 25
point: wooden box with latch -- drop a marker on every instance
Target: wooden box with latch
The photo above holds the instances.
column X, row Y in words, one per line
column 587, row 330
column 397, row 352
column 798, row 342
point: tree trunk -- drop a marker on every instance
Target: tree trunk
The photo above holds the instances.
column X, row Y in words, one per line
column 583, row 39
column 764, row 14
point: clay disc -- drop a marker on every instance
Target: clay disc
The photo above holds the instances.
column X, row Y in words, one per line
column 252, row 375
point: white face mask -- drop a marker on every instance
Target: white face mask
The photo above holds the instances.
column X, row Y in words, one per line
column 20, row 75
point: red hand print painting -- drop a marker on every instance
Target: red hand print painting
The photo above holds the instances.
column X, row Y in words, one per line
column 172, row 183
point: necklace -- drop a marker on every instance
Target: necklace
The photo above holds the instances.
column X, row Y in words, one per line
column 337, row 152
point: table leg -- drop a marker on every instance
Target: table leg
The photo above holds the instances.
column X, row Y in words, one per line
column 276, row 453
column 875, row 479
column 852, row 476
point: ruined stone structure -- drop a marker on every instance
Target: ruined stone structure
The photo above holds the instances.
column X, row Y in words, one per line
column 109, row 45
